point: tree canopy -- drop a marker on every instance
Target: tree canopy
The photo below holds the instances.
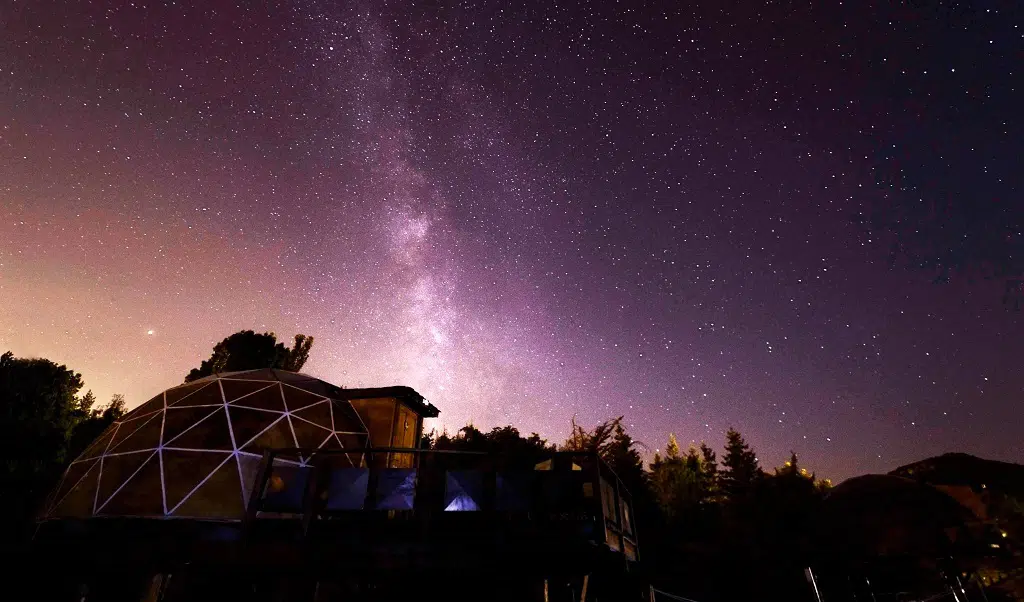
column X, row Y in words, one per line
column 709, row 527
column 44, row 424
column 505, row 441
column 740, row 462
column 247, row 350
column 39, row 407
column 704, row 531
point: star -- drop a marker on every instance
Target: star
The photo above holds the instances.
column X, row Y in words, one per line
column 509, row 242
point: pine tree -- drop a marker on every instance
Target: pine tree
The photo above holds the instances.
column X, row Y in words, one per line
column 692, row 460
column 740, row 466
column 672, row 449
column 625, row 460
column 86, row 402
column 677, row 481
column 709, row 471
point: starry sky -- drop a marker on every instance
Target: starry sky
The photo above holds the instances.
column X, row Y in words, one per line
column 590, row 209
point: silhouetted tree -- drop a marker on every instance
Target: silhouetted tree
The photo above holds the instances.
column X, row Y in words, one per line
column 596, row 440
column 504, row 441
column 86, row 402
column 94, row 422
column 615, row 446
column 740, row 466
column 38, row 413
column 298, row 354
column 115, row 409
column 794, row 483
column 677, row 482
column 671, row 454
column 695, row 540
column 621, row 454
column 683, row 483
column 247, row 350
column 709, row 470
column 780, row 525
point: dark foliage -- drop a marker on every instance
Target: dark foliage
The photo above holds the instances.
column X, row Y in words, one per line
column 95, row 421
column 503, row 441
column 615, row 446
column 247, row 350
column 38, row 412
column 740, row 472
column 733, row 533
column 43, row 426
column 708, row 529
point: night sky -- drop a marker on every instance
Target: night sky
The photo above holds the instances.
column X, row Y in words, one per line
column 592, row 209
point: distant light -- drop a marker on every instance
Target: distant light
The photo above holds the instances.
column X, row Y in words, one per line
column 1003, row 533
column 150, row 332
column 994, row 545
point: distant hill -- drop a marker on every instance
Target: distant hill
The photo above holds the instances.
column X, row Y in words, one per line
column 965, row 470
column 994, row 492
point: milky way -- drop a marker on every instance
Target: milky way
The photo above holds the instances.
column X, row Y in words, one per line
column 585, row 211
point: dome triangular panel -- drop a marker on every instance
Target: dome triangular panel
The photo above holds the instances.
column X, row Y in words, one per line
column 207, row 396
column 116, row 471
column 249, row 468
column 178, row 393
column 277, row 436
column 267, row 398
column 248, row 423
column 318, row 413
column 79, row 500
column 185, row 470
column 331, row 442
column 210, row 433
column 74, row 475
column 298, row 399
column 220, row 493
column 141, row 495
column 153, row 405
column 314, row 386
column 353, row 442
column 179, row 420
column 262, row 374
column 308, row 434
column 99, row 446
column 346, row 419
column 125, row 428
column 146, row 436
column 237, row 390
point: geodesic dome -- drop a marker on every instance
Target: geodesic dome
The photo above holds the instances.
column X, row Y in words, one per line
column 194, row 450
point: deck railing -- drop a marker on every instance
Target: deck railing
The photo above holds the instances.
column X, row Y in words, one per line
column 567, row 487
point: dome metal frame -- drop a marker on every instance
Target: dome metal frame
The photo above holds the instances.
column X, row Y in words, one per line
column 201, row 444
